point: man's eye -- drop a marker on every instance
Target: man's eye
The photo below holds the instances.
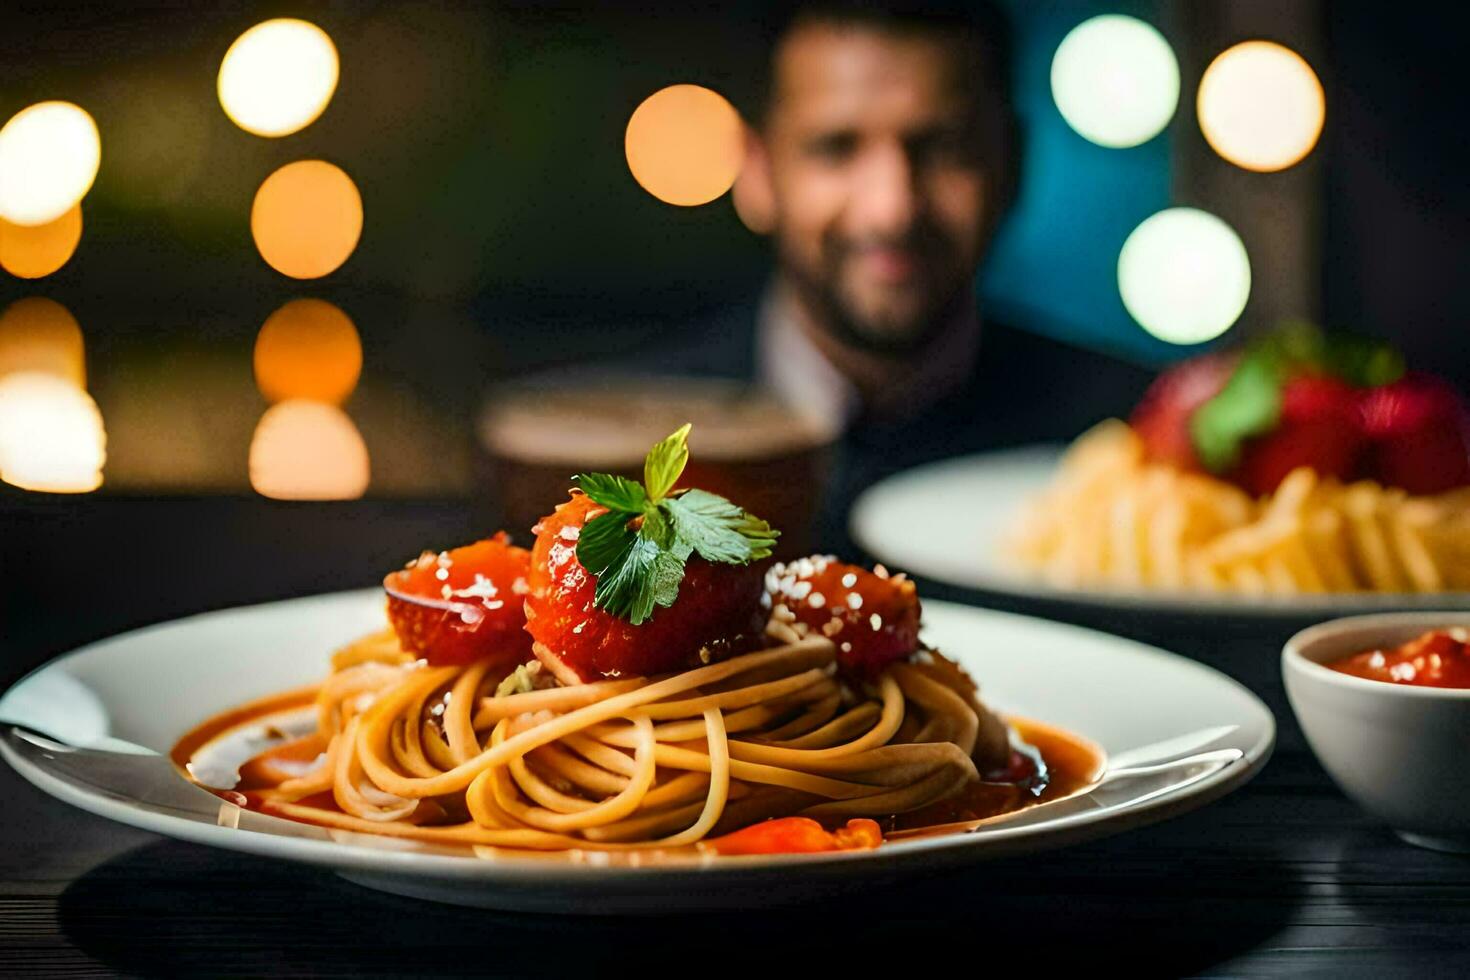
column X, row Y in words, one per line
column 832, row 149
column 943, row 147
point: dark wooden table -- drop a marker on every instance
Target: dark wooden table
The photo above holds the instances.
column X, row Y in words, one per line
column 1282, row 877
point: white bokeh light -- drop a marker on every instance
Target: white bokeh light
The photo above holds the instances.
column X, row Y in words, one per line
column 1115, row 80
column 49, row 155
column 51, row 435
column 278, row 77
column 1261, row 106
column 1184, row 275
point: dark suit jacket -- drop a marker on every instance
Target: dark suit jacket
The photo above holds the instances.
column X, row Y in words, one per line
column 1024, row 388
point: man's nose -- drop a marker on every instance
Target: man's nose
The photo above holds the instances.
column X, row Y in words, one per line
column 886, row 200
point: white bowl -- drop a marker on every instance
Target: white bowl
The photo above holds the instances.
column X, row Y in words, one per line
column 1401, row 752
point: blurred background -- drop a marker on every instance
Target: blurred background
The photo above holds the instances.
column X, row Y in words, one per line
column 270, row 374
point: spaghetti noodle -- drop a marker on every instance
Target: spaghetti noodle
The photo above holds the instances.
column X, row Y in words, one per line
column 441, row 754
column 642, row 678
column 1113, row 518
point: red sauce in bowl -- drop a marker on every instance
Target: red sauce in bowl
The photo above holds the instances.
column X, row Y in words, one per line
column 1439, row 658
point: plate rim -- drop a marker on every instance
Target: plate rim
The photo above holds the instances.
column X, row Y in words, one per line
column 514, row 871
column 873, row 498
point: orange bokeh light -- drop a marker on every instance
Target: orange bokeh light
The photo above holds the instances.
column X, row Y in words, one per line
column 685, row 145
column 1261, row 106
column 306, row 219
column 308, row 451
column 39, row 334
column 33, row 251
column 308, row 349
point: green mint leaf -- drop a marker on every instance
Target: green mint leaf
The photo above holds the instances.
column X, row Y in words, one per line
column 667, row 573
column 718, row 529
column 1299, row 343
column 1360, row 361
column 1248, row 405
column 665, row 463
column 1363, row 362
column 759, row 535
column 605, row 541
column 658, row 528
column 619, row 584
column 645, row 576
column 613, row 492
column 639, row 548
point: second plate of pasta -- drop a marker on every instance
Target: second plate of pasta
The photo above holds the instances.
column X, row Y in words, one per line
column 1096, row 524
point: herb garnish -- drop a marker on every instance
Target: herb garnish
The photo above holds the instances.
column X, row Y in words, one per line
column 1250, row 403
column 638, row 548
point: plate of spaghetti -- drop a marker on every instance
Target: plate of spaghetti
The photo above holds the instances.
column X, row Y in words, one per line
column 1303, row 474
column 642, row 711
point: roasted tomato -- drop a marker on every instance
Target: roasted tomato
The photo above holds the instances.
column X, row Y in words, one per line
column 873, row 617
column 797, row 835
column 456, row 607
column 718, row 610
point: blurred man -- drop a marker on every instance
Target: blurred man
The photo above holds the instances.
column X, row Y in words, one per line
column 882, row 157
column 881, row 161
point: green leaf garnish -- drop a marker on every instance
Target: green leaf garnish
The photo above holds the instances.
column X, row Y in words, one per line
column 662, row 587
column 638, row 549
column 657, row 527
column 605, row 541
column 613, row 492
column 719, row 530
column 665, row 463
column 627, row 587
column 1250, row 403
column 1360, row 361
column 1365, row 363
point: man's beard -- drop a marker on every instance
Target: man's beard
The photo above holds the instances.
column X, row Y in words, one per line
column 885, row 334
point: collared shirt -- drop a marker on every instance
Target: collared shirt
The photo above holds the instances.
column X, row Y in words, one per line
column 791, row 365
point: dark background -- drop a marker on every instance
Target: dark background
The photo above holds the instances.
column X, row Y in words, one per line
column 504, row 233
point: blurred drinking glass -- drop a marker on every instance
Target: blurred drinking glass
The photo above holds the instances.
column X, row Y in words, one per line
column 745, row 445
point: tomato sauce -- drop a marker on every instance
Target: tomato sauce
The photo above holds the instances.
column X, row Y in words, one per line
column 1438, row 658
column 1050, row 764
column 197, row 738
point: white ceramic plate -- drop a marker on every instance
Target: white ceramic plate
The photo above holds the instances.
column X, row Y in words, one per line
column 945, row 521
column 106, row 709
